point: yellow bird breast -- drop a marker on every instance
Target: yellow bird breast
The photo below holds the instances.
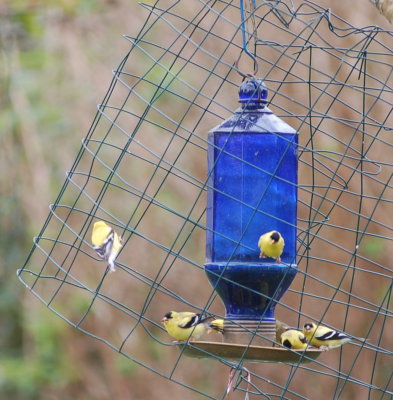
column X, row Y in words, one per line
column 270, row 249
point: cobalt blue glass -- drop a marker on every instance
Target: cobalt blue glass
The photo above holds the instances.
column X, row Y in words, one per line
column 252, row 189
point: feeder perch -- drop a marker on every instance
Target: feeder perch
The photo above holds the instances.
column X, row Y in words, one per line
column 252, row 166
column 247, row 353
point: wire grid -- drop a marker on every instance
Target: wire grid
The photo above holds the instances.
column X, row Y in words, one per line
column 143, row 169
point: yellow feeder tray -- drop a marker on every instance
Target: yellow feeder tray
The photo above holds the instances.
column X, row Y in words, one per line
column 231, row 351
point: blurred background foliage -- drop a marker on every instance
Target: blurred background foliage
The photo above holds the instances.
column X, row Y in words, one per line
column 56, row 63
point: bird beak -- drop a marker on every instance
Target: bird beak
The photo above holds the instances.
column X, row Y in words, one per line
column 165, row 319
column 272, row 241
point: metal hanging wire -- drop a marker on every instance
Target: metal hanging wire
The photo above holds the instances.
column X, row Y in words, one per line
column 245, row 39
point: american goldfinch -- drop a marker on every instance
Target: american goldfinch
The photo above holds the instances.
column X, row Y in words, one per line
column 106, row 242
column 323, row 337
column 188, row 325
column 294, row 339
column 271, row 244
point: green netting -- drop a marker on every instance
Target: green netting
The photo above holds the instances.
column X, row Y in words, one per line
column 142, row 168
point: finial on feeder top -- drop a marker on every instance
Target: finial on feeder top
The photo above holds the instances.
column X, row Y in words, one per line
column 253, row 94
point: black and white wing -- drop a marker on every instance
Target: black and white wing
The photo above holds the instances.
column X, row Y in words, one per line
column 192, row 320
column 332, row 335
column 104, row 250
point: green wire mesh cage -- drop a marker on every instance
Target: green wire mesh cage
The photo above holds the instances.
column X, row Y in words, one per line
column 142, row 168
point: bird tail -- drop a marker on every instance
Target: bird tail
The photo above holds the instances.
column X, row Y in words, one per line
column 217, row 325
column 360, row 339
column 111, row 261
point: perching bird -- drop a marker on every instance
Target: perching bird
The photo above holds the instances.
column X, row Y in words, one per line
column 294, row 339
column 188, row 325
column 323, row 337
column 106, row 242
column 271, row 244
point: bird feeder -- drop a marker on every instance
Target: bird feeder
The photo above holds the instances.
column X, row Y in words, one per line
column 252, row 189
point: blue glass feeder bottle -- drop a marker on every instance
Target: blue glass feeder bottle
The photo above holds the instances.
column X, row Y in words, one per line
column 252, row 167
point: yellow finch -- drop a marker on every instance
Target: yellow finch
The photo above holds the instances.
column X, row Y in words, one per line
column 323, row 337
column 106, row 242
column 188, row 325
column 294, row 339
column 271, row 244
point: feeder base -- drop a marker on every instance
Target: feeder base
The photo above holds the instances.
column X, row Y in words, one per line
column 236, row 352
column 257, row 333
